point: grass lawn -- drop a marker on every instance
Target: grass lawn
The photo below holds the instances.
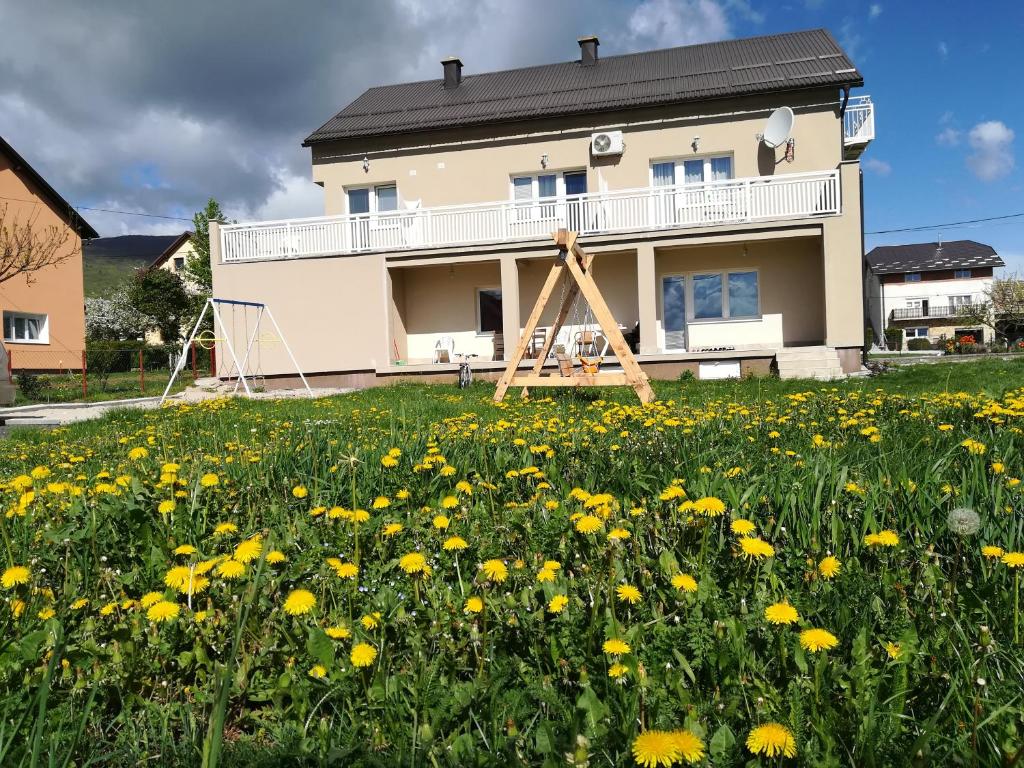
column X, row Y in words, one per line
column 416, row 576
column 67, row 387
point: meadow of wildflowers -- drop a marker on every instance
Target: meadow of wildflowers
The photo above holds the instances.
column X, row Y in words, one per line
column 815, row 575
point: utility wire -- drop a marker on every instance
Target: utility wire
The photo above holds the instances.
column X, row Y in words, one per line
column 947, row 224
column 131, row 213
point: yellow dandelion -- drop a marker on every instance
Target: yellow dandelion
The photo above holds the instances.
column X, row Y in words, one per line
column 755, row 548
column 300, row 492
column 992, row 551
column 15, row 575
column 691, row 748
column 893, row 650
column 781, row 613
column 135, row 454
column 652, row 749
column 454, row 544
column 711, row 506
column 338, row 632
column 829, row 567
column 742, row 527
column 1010, row 559
column 557, row 604
column 412, row 563
column 150, row 598
column 886, row 538
column 225, row 528
column 318, row 672
column 166, row 506
column 628, row 594
column 381, row 502
column 473, row 605
column 684, row 582
column 545, row 574
column 185, row 549
column 615, row 647
column 772, row 740
column 249, row 550
column 441, row 522
column 618, row 534
column 299, row 601
column 209, row 480
column 163, row 611
column 276, row 556
column 588, row 524
column 495, row 570
column 617, row 670
column 363, row 655
column 815, row 640
column 230, row 569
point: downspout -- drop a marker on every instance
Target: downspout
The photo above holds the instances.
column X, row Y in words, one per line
column 846, row 99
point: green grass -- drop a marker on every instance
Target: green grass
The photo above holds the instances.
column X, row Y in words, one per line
column 235, row 679
column 67, row 387
column 105, row 274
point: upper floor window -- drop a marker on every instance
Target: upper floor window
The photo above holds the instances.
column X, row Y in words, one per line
column 696, row 171
column 27, row 328
column 179, row 263
column 912, row 277
column 960, row 301
column 377, row 199
column 961, row 274
column 545, row 186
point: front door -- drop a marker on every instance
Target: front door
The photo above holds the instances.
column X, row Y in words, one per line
column 673, row 310
column 575, row 187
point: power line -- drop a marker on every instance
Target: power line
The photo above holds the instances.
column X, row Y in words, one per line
column 947, row 224
column 131, row 213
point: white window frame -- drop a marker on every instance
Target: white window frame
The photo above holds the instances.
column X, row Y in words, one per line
column 912, row 332
column 535, row 183
column 962, row 274
column 44, row 327
column 477, row 291
column 960, row 300
column 679, row 172
column 372, row 195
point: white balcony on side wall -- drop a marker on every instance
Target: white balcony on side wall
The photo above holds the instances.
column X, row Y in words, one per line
column 858, row 126
column 683, row 206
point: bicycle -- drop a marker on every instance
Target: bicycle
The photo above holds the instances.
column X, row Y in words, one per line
column 465, row 372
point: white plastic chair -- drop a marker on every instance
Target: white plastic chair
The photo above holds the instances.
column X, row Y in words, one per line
column 444, row 350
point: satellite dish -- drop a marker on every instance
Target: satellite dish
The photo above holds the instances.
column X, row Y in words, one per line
column 778, row 127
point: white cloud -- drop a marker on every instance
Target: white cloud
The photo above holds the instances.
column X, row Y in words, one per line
column 992, row 142
column 943, row 49
column 875, row 11
column 668, row 23
column 947, row 137
column 880, row 167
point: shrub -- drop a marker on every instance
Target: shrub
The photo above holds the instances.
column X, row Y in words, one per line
column 917, row 345
column 32, row 385
column 894, row 338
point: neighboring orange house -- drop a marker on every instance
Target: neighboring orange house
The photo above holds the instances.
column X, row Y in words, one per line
column 43, row 314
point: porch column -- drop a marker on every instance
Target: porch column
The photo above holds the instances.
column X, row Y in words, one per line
column 842, row 260
column 510, row 327
column 647, row 298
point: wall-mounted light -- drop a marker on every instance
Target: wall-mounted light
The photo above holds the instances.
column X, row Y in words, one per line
column 544, row 160
column 791, row 150
column 366, row 164
column 695, row 143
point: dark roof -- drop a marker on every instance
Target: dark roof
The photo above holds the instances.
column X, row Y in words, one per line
column 75, row 220
column 175, row 245
column 753, row 65
column 930, row 257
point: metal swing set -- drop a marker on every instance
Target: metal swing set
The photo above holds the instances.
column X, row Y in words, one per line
column 250, row 368
column 573, row 268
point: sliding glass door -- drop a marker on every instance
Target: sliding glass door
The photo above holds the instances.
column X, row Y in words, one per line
column 673, row 311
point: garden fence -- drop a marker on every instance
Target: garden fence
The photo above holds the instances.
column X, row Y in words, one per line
column 103, row 371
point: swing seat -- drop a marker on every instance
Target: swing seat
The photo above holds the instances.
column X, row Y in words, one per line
column 590, row 365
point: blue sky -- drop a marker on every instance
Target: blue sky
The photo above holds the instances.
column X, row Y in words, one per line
column 154, row 107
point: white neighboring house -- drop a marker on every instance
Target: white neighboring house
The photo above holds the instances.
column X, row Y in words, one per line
column 173, row 259
column 927, row 289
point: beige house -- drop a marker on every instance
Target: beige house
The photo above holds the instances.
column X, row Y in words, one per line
column 719, row 250
column 173, row 259
column 43, row 312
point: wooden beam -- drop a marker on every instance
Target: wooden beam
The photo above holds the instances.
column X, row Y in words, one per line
column 578, row 380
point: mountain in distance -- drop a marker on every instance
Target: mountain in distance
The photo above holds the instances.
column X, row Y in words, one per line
column 110, row 261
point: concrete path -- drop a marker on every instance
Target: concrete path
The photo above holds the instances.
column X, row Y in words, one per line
column 59, row 414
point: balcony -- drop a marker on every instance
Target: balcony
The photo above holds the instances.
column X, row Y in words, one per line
column 929, row 311
column 736, row 201
column 858, row 126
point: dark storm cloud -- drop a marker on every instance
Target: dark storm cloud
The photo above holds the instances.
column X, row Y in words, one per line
column 155, row 106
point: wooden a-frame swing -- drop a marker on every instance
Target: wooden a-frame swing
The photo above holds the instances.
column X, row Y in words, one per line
column 572, row 260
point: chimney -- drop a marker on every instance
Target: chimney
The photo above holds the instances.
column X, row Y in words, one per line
column 588, row 50
column 452, row 71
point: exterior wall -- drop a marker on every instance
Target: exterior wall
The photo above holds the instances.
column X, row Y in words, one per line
column 842, row 252
column 937, row 290
column 478, row 173
column 790, row 282
column 441, row 301
column 331, row 311
column 185, row 251
column 57, row 291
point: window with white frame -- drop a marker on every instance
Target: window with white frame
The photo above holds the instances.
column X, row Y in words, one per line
column 528, row 189
column 488, row 310
column 666, row 173
column 178, row 264
column 960, row 301
column 920, row 332
column 724, row 295
column 961, row 274
column 26, row 328
column 376, row 199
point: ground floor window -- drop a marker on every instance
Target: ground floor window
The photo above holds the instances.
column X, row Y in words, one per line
column 917, row 333
column 24, row 327
column 488, row 310
column 725, row 295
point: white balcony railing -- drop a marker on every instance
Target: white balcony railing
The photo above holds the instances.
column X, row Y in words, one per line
column 760, row 198
column 859, row 121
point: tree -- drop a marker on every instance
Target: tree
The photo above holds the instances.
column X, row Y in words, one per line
column 198, row 269
column 1002, row 309
column 115, row 319
column 26, row 247
column 160, row 295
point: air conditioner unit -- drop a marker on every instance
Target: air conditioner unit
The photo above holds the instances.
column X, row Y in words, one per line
column 607, row 143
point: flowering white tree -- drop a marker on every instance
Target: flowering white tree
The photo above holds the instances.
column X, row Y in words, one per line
column 115, row 319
